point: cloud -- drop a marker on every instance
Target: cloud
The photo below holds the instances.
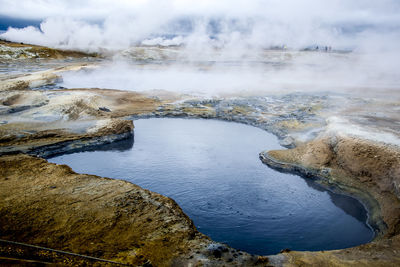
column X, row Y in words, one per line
column 88, row 9
column 118, row 24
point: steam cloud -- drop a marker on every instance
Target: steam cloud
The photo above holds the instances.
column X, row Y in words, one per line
column 92, row 25
column 237, row 29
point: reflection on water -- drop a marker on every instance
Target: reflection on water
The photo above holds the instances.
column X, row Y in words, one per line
column 356, row 209
column 211, row 168
column 119, row 146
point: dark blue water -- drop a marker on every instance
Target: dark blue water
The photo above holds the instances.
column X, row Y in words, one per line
column 211, row 168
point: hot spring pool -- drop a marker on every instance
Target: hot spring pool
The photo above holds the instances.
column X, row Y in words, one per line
column 212, row 170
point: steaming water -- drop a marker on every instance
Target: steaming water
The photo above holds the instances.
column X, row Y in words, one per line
column 218, row 30
column 211, row 168
column 215, row 72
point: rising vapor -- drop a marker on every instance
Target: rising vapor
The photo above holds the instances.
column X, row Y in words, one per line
column 92, row 25
column 224, row 31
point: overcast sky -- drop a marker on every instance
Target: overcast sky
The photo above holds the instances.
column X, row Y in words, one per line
column 333, row 10
column 364, row 24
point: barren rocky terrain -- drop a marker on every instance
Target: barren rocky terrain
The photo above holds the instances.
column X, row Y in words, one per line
column 346, row 142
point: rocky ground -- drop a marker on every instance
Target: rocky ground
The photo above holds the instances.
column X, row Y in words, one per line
column 361, row 168
column 18, row 51
column 346, row 142
column 56, row 208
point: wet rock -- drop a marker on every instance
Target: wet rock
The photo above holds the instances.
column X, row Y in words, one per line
column 104, row 109
column 216, row 249
column 286, row 250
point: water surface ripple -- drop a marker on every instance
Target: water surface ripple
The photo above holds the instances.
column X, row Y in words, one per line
column 211, row 169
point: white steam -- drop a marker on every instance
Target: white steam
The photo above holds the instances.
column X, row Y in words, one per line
column 272, row 72
column 211, row 33
column 118, row 24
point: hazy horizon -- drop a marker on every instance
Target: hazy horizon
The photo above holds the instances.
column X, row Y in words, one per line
column 360, row 25
column 235, row 31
